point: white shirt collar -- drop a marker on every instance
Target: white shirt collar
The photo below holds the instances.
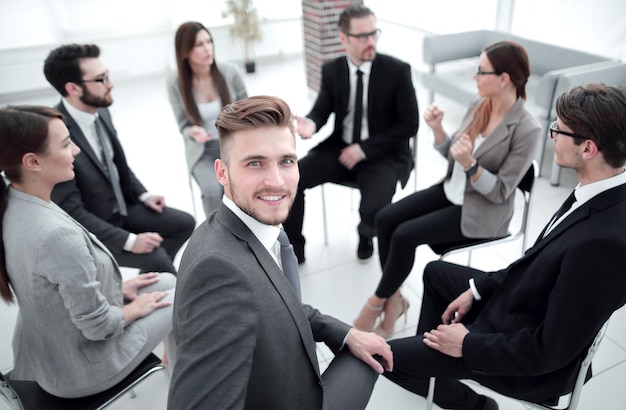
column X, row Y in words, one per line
column 366, row 67
column 84, row 119
column 586, row 192
column 266, row 234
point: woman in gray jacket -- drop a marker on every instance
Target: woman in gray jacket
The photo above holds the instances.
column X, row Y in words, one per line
column 197, row 94
column 80, row 330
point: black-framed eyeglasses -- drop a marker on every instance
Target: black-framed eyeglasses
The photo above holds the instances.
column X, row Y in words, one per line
column 479, row 72
column 105, row 79
column 362, row 37
column 555, row 130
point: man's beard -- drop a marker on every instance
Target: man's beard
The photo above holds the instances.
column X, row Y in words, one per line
column 94, row 101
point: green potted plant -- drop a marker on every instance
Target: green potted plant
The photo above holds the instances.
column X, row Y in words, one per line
column 246, row 27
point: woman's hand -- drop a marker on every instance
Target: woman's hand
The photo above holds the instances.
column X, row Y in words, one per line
column 143, row 305
column 433, row 116
column 131, row 286
column 199, row 134
column 461, row 151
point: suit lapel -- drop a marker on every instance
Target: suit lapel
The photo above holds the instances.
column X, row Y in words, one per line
column 503, row 130
column 595, row 204
column 80, row 140
column 227, row 218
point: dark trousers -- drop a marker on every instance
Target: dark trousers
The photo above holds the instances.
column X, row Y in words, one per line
column 425, row 217
column 173, row 225
column 376, row 180
column 415, row 363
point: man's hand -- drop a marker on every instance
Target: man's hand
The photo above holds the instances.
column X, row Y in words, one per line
column 146, row 242
column 458, row 308
column 131, row 286
column 363, row 345
column 305, row 127
column 447, row 339
column 155, row 202
column 351, row 155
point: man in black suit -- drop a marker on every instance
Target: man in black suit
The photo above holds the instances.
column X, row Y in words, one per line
column 372, row 152
column 105, row 196
column 524, row 330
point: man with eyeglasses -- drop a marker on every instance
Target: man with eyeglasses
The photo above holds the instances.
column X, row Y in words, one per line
column 375, row 107
column 524, row 330
column 105, row 196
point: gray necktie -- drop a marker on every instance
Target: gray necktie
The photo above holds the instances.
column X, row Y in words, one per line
column 109, row 166
column 289, row 262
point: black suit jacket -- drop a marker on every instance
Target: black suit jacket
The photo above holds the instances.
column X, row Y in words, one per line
column 544, row 310
column 392, row 113
column 89, row 197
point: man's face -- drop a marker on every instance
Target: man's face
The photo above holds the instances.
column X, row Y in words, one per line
column 360, row 49
column 262, row 175
column 566, row 153
column 96, row 84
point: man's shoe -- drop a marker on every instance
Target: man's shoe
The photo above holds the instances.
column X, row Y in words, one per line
column 365, row 249
column 490, row 404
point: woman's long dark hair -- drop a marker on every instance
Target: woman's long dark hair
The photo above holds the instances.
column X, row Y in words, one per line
column 184, row 42
column 23, row 129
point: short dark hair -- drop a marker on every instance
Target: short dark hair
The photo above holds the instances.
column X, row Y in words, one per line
column 597, row 111
column 355, row 11
column 62, row 65
column 251, row 113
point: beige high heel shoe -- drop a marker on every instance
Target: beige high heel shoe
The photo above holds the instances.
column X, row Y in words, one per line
column 368, row 317
column 395, row 308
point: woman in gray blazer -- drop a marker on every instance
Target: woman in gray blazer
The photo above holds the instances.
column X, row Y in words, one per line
column 487, row 158
column 197, row 93
column 80, row 330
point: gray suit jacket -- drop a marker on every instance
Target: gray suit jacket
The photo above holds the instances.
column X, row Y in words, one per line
column 70, row 330
column 244, row 339
column 237, row 89
column 505, row 157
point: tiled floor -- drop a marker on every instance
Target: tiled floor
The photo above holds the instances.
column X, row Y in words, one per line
column 332, row 278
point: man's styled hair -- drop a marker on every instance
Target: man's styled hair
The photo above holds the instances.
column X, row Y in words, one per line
column 250, row 113
column 597, row 111
column 356, row 11
column 62, row 65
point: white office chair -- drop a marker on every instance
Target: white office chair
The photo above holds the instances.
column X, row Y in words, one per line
column 27, row 395
column 571, row 399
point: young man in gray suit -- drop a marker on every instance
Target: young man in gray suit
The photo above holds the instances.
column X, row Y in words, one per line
column 245, row 340
column 105, row 196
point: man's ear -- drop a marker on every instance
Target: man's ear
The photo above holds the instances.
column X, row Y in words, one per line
column 73, row 89
column 221, row 172
column 590, row 149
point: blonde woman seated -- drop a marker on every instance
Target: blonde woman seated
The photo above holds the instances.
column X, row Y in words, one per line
column 487, row 158
column 80, row 330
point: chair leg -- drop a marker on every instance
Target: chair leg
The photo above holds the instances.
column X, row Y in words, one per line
column 324, row 215
column 431, row 394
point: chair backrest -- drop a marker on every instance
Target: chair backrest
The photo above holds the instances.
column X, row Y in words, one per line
column 27, row 395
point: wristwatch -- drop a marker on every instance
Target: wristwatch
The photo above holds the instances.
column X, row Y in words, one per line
column 473, row 169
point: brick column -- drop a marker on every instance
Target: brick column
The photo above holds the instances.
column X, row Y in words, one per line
column 321, row 36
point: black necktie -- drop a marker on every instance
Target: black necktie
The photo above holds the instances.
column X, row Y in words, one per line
column 111, row 169
column 289, row 262
column 564, row 208
column 358, row 108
